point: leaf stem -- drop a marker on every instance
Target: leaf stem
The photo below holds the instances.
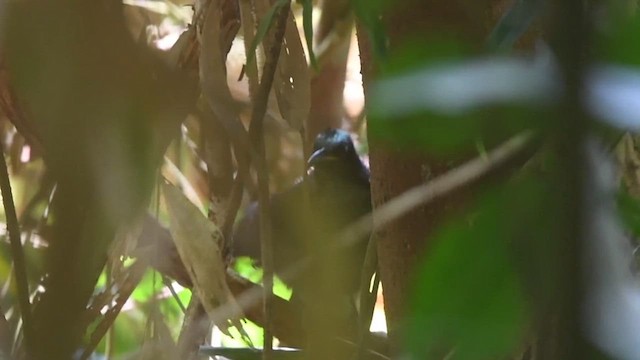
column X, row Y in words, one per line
column 17, row 253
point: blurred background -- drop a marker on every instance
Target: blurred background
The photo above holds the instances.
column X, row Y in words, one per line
column 165, row 163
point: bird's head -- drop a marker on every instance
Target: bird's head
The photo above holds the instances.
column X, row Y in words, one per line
column 334, row 155
column 331, row 147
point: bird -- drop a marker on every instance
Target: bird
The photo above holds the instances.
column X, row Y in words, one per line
column 338, row 189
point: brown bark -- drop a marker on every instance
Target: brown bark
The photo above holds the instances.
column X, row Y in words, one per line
column 402, row 243
column 326, row 96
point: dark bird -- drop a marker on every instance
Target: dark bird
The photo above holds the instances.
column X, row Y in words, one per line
column 338, row 194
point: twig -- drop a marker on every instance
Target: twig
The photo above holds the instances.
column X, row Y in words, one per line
column 441, row 186
column 247, row 13
column 110, row 335
column 194, row 328
column 233, row 206
column 174, row 294
column 17, row 253
column 126, row 289
column 5, row 334
column 256, row 134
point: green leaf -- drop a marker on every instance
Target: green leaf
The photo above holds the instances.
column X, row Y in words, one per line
column 615, row 45
column 147, row 288
column 263, row 28
column 629, row 208
column 469, row 301
column 128, row 330
column 418, row 52
column 307, row 24
column 369, row 12
column 451, row 134
column 427, row 100
column 247, row 268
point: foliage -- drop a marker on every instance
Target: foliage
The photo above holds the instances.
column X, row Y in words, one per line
column 99, row 124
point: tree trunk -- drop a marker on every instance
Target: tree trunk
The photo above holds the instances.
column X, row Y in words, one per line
column 402, row 243
column 327, row 86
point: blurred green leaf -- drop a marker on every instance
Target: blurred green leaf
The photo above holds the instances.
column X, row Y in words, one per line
column 421, row 51
column 146, row 289
column 629, row 208
column 127, row 330
column 447, row 106
column 171, row 311
column 469, row 301
column 614, row 46
column 454, row 134
column 249, row 270
column 369, row 12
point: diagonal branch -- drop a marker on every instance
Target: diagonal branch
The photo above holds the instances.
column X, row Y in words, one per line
column 441, row 186
column 135, row 273
column 16, row 252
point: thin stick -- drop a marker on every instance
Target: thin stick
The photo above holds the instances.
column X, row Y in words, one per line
column 247, row 12
column 174, row 294
column 256, row 134
column 135, row 273
column 17, row 253
column 423, row 194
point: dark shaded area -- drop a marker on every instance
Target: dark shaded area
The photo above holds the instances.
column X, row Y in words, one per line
column 105, row 120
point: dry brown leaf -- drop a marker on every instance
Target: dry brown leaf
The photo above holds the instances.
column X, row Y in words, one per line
column 629, row 160
column 183, row 54
column 292, row 83
column 198, row 241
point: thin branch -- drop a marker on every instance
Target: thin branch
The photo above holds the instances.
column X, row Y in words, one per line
column 136, row 271
column 174, row 294
column 195, row 327
column 256, row 134
column 17, row 253
column 570, row 36
column 441, row 186
column 5, row 334
column 247, row 13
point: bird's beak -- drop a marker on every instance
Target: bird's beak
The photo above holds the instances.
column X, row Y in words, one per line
column 315, row 157
column 319, row 155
